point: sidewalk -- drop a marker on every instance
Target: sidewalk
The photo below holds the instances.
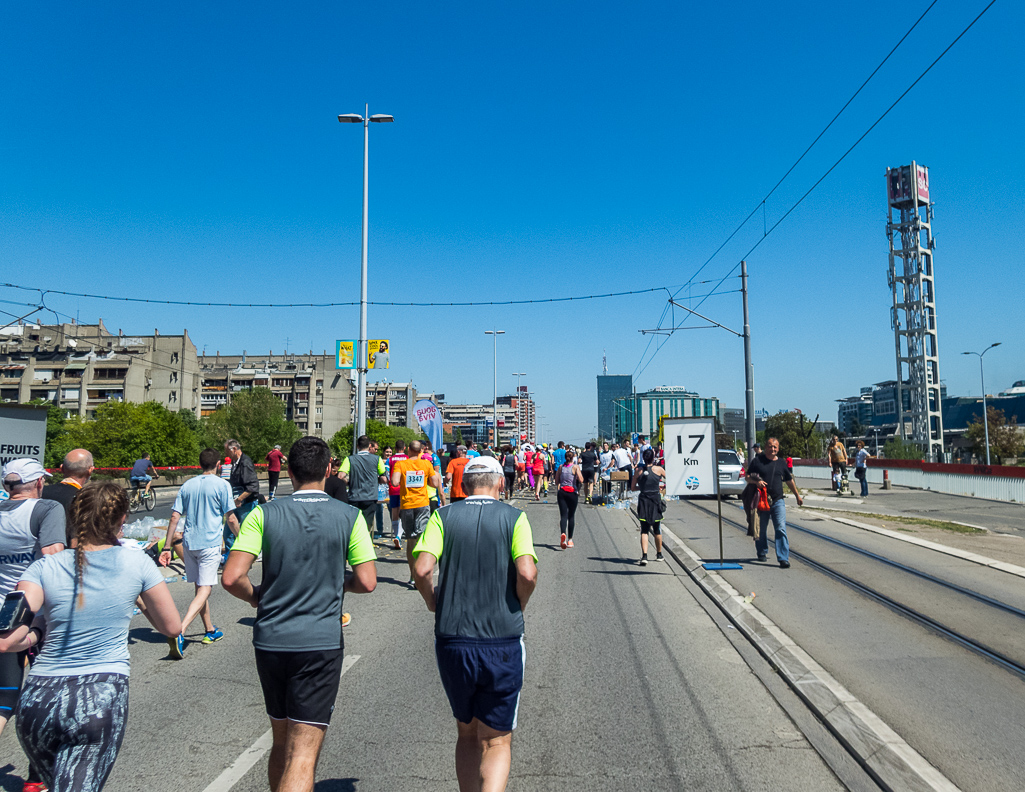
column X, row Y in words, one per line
column 996, row 516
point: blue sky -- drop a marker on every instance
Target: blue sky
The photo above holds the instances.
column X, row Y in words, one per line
column 191, row 152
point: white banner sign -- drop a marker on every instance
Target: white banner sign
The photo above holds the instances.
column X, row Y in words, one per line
column 22, row 432
column 690, row 456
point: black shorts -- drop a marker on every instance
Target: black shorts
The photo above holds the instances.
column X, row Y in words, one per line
column 588, row 475
column 300, row 686
column 12, row 669
column 482, row 678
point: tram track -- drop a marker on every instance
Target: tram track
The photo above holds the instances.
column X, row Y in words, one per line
column 974, row 645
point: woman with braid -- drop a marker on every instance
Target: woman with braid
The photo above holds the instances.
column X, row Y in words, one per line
column 73, row 707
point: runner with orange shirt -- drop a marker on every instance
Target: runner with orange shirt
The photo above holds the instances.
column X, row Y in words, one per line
column 412, row 477
column 454, row 475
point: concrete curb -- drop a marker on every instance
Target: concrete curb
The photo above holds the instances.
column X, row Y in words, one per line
column 894, row 764
column 975, row 558
column 909, row 516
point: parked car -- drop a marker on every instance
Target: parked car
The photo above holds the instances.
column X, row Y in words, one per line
column 731, row 473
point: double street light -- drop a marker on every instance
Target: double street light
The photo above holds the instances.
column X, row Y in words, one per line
column 982, row 376
column 361, row 345
column 496, row 333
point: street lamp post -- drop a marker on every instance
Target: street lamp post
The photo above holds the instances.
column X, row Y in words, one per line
column 982, row 376
column 361, row 350
column 496, row 333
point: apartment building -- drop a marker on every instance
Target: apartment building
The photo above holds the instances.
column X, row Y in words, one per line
column 79, row 367
column 318, row 398
column 392, row 403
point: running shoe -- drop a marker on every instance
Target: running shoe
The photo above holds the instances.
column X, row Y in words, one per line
column 569, row 543
column 177, row 644
column 396, row 544
column 346, row 618
column 658, row 557
column 644, row 559
column 213, row 635
column 34, row 786
column 562, row 541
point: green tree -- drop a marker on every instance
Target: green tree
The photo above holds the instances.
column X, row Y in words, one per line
column 899, row 448
column 797, row 436
column 256, row 419
column 122, row 431
column 1005, row 441
column 384, row 435
column 56, row 444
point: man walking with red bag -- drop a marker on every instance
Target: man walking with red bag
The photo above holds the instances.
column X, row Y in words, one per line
column 768, row 473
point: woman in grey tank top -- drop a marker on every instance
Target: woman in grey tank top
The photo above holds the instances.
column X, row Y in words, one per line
column 568, row 478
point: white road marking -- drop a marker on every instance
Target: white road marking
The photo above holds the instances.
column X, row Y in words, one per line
column 233, row 774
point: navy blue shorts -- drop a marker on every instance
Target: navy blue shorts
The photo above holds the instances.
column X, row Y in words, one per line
column 482, row 678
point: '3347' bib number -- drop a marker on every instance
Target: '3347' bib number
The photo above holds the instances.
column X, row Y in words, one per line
column 414, row 479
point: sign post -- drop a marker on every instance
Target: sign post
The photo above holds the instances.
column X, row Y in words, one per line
column 692, row 466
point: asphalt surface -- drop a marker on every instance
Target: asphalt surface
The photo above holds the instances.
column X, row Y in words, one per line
column 1000, row 516
column 963, row 713
column 630, row 683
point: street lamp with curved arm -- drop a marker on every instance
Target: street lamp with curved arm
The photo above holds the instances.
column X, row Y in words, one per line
column 982, row 376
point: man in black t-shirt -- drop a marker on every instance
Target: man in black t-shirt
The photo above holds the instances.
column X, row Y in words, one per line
column 768, row 471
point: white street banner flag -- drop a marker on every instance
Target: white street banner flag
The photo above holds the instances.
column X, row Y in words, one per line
column 429, row 417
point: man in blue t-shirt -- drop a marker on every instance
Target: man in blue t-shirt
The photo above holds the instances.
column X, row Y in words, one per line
column 560, row 455
column 143, row 472
column 204, row 502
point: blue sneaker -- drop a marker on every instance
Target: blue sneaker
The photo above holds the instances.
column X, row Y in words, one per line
column 213, row 635
column 177, row 644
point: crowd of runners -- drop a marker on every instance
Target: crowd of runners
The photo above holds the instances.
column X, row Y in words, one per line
column 71, row 585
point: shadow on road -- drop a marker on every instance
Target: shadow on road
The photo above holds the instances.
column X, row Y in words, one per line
column 145, row 635
column 336, row 785
column 13, row 783
column 632, row 561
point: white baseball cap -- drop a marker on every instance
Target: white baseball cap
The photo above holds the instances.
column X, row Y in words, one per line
column 23, row 471
column 482, row 464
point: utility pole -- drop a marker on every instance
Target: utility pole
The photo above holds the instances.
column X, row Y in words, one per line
column 749, row 369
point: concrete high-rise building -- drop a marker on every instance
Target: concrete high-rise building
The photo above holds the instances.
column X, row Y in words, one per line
column 640, row 412
column 610, row 388
column 318, row 398
column 79, row 367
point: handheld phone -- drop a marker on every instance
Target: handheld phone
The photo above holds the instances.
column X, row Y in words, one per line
column 15, row 611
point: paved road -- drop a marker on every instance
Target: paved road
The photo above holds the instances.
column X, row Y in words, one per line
column 963, row 713
column 996, row 515
column 630, row 684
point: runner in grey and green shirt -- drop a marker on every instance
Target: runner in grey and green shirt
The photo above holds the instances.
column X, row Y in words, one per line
column 485, row 553
column 306, row 540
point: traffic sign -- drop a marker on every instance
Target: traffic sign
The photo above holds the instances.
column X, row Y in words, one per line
column 690, row 456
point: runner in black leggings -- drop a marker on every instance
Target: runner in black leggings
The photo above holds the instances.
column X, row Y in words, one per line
column 569, row 477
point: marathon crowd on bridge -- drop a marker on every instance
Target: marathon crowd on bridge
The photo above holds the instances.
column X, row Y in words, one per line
column 71, row 583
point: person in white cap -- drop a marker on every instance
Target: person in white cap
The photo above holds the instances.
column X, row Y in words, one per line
column 487, row 571
column 29, row 529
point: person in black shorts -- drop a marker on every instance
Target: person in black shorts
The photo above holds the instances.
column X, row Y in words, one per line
column 588, row 468
column 305, row 540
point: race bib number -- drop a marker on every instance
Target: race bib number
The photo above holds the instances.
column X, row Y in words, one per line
column 415, row 479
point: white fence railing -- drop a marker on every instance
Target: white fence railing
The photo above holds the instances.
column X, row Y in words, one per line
column 992, row 487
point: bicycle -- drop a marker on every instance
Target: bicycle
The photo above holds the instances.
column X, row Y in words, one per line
column 141, row 497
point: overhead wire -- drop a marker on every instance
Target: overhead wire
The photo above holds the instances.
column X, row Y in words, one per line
column 844, row 156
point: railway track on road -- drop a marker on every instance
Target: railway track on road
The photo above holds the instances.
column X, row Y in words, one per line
column 959, row 636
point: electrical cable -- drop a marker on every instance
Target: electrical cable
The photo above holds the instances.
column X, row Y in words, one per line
column 761, row 203
column 838, row 161
column 336, row 304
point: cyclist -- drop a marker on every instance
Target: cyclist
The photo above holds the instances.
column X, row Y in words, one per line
column 143, row 472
